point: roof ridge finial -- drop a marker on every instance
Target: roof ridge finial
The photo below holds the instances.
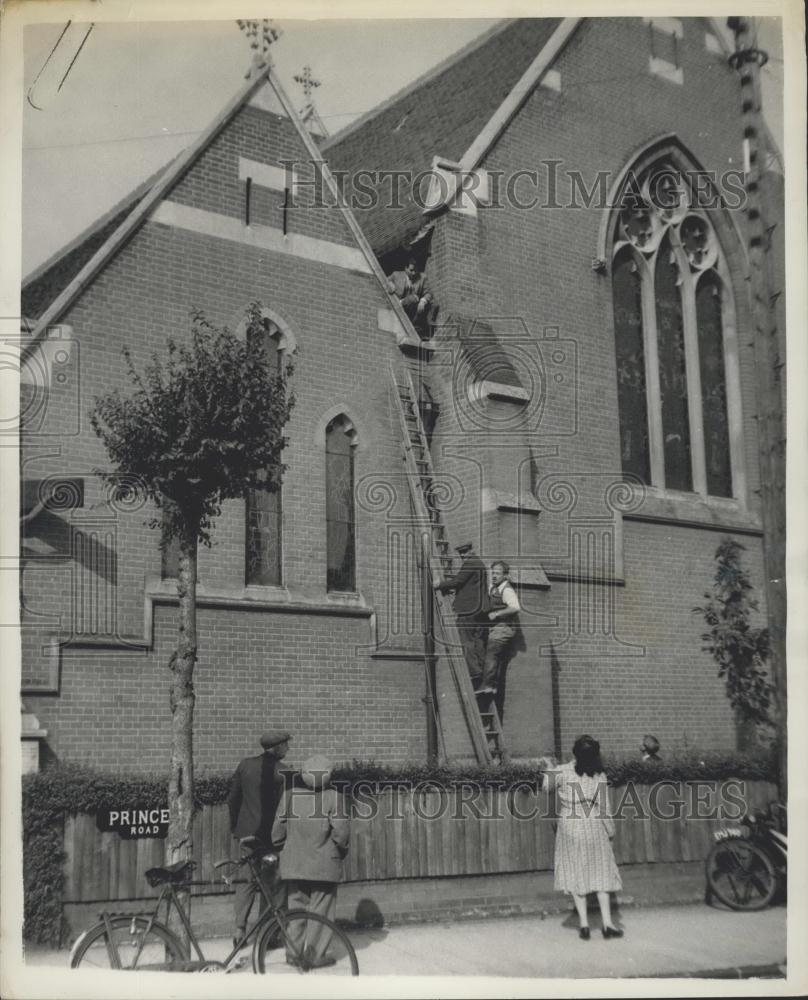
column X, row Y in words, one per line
column 260, row 35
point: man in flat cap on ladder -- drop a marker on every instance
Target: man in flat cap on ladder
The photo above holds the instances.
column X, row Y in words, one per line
column 255, row 793
column 470, row 605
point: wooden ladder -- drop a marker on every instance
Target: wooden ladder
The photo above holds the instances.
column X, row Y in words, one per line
column 492, row 726
column 482, row 721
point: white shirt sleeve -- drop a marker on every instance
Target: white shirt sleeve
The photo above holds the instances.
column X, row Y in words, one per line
column 508, row 595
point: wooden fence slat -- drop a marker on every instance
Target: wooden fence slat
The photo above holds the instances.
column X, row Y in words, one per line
column 399, row 831
column 144, row 853
column 531, row 806
column 89, row 870
column 360, row 862
column 452, row 842
column 665, row 805
column 457, row 847
column 370, row 848
column 413, row 865
column 649, row 823
column 477, row 832
column 382, row 835
column 429, row 830
column 70, row 857
column 110, row 841
column 484, row 860
column 394, row 834
column 515, row 804
column 115, row 871
column 470, row 857
column 685, row 837
column 83, row 888
column 422, row 803
column 543, row 834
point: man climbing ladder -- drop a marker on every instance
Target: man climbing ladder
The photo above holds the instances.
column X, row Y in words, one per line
column 471, row 608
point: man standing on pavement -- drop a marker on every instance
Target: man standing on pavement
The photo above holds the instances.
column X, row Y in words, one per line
column 312, row 831
column 470, row 606
column 505, row 607
column 255, row 793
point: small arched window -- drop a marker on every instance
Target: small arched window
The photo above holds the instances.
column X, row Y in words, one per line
column 264, row 511
column 670, row 291
column 340, row 445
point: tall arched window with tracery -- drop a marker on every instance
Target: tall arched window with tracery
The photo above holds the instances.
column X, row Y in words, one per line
column 340, row 445
column 674, row 335
column 264, row 512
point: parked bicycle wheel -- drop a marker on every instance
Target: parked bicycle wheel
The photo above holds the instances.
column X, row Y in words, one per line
column 308, row 944
column 741, row 875
column 137, row 946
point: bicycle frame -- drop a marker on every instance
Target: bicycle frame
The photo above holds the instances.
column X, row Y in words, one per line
column 169, row 895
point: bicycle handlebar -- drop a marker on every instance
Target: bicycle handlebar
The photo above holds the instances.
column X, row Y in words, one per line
column 267, row 855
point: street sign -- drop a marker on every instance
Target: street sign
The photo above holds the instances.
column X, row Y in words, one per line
column 133, row 822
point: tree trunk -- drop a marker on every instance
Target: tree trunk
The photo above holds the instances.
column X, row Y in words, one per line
column 181, row 699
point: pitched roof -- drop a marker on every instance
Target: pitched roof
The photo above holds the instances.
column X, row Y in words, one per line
column 108, row 235
column 442, row 114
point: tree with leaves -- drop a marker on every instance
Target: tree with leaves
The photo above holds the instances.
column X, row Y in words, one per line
column 739, row 647
column 202, row 425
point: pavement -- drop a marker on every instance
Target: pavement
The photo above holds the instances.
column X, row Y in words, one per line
column 683, row 940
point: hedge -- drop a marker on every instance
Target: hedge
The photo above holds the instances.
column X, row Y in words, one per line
column 63, row 790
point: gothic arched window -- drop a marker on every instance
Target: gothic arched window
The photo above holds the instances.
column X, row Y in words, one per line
column 264, row 512
column 670, row 288
column 340, row 442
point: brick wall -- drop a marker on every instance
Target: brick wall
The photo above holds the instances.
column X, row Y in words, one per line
column 258, row 668
column 636, row 664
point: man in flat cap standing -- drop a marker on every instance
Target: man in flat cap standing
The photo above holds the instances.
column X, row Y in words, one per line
column 470, row 604
column 255, row 793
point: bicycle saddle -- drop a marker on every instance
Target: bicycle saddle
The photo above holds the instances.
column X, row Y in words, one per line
column 179, row 872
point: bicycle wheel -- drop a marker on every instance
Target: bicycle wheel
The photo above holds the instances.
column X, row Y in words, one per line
column 154, row 950
column 741, row 875
column 309, row 944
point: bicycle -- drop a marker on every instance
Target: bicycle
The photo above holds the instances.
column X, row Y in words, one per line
column 747, row 864
column 283, row 941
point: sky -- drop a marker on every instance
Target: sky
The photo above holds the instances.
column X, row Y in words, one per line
column 139, row 93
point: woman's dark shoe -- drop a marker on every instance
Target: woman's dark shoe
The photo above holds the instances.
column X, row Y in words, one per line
column 583, row 933
column 612, row 932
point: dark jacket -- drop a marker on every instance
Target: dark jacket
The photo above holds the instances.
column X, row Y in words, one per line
column 311, row 831
column 255, row 792
column 470, row 585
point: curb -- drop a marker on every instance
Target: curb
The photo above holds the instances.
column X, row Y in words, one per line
column 770, row 971
column 541, row 909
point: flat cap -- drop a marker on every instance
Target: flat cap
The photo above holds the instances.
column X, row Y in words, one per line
column 464, row 547
column 273, row 738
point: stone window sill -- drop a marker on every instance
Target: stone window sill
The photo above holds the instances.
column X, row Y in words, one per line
column 262, row 598
column 691, row 509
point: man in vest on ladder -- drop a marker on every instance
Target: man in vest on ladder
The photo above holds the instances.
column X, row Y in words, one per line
column 504, row 608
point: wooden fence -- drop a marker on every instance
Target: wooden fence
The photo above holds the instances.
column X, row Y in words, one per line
column 428, row 833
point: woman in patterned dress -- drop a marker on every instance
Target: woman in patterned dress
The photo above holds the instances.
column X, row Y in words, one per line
column 584, row 860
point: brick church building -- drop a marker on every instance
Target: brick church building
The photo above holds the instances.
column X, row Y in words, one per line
column 572, row 190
